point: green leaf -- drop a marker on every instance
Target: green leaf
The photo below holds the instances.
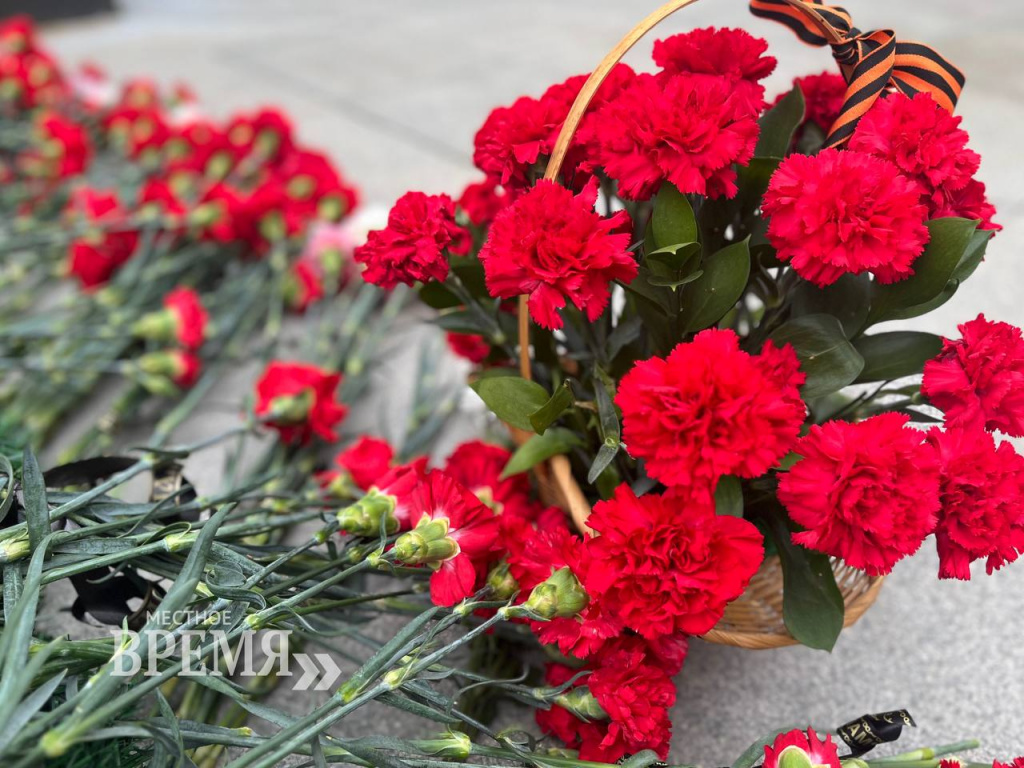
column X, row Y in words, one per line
column 553, row 442
column 779, row 124
column 812, row 605
column 668, row 282
column 604, row 457
column 829, row 361
column 923, row 309
column 463, row 321
column 752, row 180
column 436, row 295
column 708, row 298
column 546, row 415
column 973, row 255
column 673, row 220
column 7, row 489
column 37, row 510
column 673, row 256
column 512, row 399
column 847, row 298
column 604, row 394
column 949, row 239
column 729, row 497
column 893, row 355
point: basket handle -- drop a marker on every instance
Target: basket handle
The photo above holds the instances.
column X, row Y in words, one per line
column 579, row 108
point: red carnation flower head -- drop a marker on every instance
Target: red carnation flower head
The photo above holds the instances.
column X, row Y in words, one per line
column 469, row 346
column 139, row 132
column 843, row 212
column 805, row 743
column 514, row 138
column 733, row 55
column 687, row 130
column 710, row 409
column 866, row 492
column 298, row 400
column 62, row 148
column 412, row 248
column 481, row 201
column 535, row 554
column 453, row 533
column 1017, row 762
column 636, row 695
column 978, row 380
column 388, row 498
column 166, row 372
column 968, row 202
column 267, row 135
column 312, row 187
column 665, row 564
column 554, row 247
column 95, row 256
column 824, row 95
column 191, row 318
column 479, row 466
column 926, row 142
column 18, row 34
column 982, row 498
column 304, row 285
column 366, row 461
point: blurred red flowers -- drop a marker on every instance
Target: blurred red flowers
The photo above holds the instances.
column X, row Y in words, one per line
column 190, row 318
column 298, row 400
column 106, row 244
column 818, row 753
column 867, row 492
column 552, row 246
column 843, row 212
column 978, row 380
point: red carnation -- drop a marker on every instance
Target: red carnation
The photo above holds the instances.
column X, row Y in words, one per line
column 304, row 285
column 298, row 400
column 481, row 201
column 818, row 752
column 534, row 554
column 367, row 460
column 179, row 366
column 928, row 145
column 478, row 466
column 470, row 346
column 636, row 695
column 190, row 318
column 978, row 380
column 412, row 246
column 844, row 212
column 709, row 409
column 552, row 246
column 64, row 149
column 865, row 492
column 95, row 256
column 514, row 138
column 1017, row 762
column 731, row 54
column 968, row 202
column 687, row 130
column 824, row 95
column 982, row 496
column 137, row 130
column 668, row 564
column 313, row 186
column 453, row 533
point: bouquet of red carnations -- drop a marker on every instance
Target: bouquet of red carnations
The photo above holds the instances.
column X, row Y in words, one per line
column 700, row 272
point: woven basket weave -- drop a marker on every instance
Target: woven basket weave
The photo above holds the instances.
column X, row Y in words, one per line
column 754, row 620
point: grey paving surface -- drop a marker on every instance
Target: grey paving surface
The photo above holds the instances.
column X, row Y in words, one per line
column 395, row 90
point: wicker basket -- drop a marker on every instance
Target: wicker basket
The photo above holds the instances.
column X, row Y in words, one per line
column 754, row 620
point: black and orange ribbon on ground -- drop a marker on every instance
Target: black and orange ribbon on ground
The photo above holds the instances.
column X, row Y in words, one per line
column 871, row 62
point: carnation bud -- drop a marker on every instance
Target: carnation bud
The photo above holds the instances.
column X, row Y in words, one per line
column 161, row 325
column 364, row 517
column 582, row 703
column 502, row 583
column 453, row 745
column 16, row 548
column 291, row 409
column 560, row 596
column 426, row 544
column 340, row 486
column 794, row 757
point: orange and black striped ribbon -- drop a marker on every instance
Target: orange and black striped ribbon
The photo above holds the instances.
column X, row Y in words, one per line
column 871, row 62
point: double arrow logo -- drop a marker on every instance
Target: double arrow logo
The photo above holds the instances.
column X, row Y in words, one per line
column 310, row 671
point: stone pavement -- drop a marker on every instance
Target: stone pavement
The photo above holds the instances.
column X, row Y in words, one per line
column 395, row 89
